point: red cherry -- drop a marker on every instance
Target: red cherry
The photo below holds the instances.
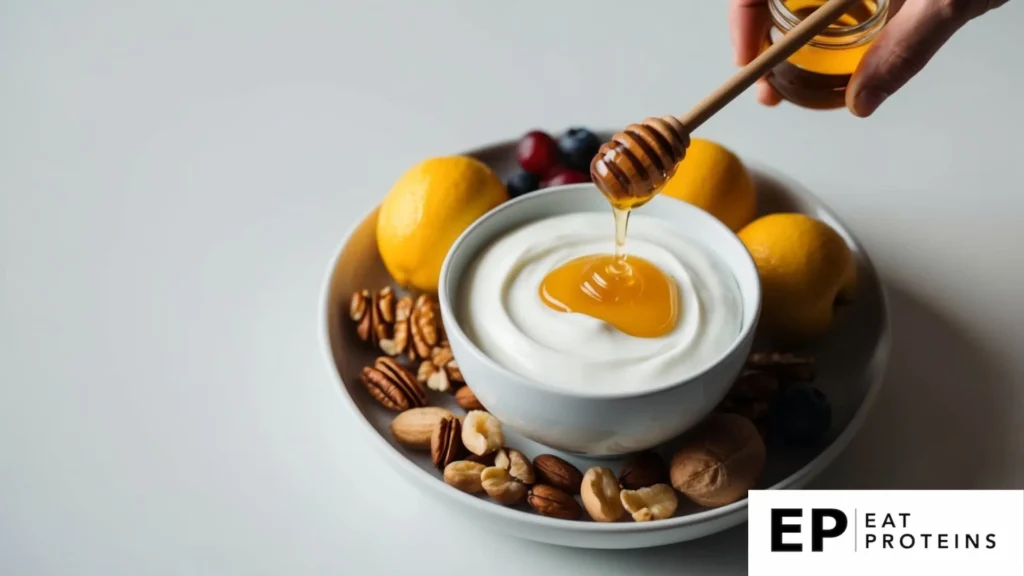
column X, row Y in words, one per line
column 537, row 152
column 561, row 176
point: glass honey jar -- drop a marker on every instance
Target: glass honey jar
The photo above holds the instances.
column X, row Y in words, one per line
column 817, row 74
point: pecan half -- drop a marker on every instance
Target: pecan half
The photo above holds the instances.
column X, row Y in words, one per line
column 358, row 305
column 751, row 396
column 419, row 347
column 467, row 400
column 359, row 311
column 791, row 366
column 399, row 340
column 446, row 442
column 755, row 385
column 392, row 385
column 386, row 302
column 454, row 373
column 427, row 319
column 380, row 330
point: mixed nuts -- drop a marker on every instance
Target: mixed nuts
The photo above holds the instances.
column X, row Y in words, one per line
column 716, row 463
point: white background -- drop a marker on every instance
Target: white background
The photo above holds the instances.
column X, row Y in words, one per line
column 175, row 176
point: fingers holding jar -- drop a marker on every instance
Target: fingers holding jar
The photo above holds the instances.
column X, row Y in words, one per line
column 869, row 53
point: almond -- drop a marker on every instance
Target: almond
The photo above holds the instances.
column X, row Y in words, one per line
column 414, row 427
column 550, row 501
column 553, row 471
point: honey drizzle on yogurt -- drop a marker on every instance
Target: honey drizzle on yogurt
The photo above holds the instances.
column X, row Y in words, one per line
column 629, row 293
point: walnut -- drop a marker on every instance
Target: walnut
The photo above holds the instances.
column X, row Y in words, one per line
column 397, row 344
column 719, row 460
column 441, row 356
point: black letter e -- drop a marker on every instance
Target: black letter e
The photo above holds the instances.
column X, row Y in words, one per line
column 779, row 528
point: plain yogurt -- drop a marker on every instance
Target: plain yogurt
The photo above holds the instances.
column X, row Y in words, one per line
column 502, row 313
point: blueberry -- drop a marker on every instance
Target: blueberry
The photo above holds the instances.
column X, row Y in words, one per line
column 522, row 183
column 578, row 147
column 801, row 415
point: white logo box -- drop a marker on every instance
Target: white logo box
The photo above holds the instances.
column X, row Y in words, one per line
column 876, row 532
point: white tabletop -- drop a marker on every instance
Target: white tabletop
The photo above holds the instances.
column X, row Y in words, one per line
column 175, row 176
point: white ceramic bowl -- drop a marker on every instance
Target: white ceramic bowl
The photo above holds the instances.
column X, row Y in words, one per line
column 585, row 423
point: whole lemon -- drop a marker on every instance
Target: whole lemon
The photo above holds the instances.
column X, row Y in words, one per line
column 714, row 179
column 426, row 210
column 804, row 266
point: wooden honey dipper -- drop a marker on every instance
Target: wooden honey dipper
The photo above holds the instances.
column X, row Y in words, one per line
column 636, row 163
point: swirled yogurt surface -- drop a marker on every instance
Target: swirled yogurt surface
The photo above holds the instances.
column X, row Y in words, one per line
column 501, row 312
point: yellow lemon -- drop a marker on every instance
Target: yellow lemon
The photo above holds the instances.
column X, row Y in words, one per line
column 426, row 210
column 804, row 266
column 711, row 177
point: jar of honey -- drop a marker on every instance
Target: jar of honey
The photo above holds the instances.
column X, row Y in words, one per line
column 817, row 74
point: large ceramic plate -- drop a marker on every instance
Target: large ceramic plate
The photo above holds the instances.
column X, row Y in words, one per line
column 850, row 360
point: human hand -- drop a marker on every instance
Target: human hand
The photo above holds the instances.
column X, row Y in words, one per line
column 915, row 32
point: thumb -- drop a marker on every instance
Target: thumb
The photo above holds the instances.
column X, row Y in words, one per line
column 905, row 45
